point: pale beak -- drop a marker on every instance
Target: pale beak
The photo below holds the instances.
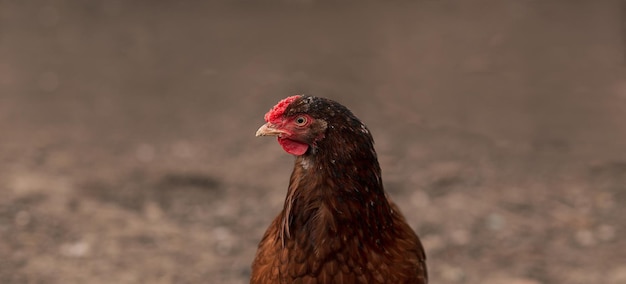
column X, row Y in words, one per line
column 269, row 130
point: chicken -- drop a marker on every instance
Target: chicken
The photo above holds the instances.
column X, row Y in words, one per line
column 337, row 224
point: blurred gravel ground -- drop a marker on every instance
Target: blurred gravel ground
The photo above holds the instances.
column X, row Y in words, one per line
column 127, row 148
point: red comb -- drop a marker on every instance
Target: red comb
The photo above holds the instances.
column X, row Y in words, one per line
column 277, row 111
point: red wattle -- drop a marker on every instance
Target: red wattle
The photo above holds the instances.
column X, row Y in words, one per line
column 293, row 147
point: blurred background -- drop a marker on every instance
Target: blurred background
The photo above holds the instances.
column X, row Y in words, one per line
column 127, row 148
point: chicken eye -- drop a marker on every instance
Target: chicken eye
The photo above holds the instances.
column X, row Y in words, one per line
column 301, row 120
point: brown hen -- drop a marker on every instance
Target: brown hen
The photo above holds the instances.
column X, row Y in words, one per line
column 337, row 224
